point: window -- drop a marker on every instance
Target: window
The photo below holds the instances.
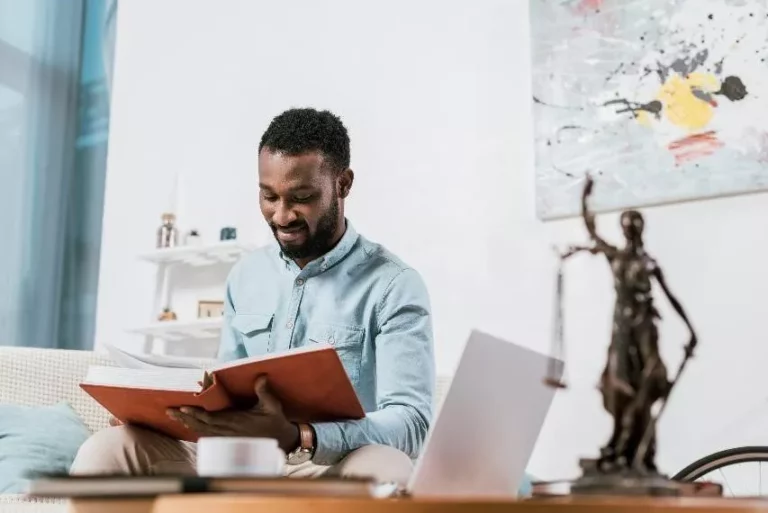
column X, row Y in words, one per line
column 55, row 60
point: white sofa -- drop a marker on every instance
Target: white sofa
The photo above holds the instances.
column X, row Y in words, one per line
column 42, row 377
column 47, row 376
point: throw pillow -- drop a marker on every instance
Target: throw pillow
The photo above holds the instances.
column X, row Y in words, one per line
column 37, row 440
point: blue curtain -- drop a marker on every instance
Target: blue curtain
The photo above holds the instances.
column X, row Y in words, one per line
column 54, row 117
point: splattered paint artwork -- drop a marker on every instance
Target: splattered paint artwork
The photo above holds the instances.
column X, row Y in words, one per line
column 660, row 100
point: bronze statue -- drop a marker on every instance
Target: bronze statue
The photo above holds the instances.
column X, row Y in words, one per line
column 635, row 377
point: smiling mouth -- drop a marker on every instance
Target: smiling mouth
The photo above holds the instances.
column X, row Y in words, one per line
column 290, row 234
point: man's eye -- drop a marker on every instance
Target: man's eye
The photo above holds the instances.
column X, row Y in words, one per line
column 269, row 197
column 302, row 199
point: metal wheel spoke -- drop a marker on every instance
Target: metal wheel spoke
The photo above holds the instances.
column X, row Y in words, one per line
column 727, row 484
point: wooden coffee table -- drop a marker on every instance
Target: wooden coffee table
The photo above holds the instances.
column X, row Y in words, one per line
column 215, row 503
column 246, row 504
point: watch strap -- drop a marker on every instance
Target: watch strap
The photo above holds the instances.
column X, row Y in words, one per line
column 306, row 437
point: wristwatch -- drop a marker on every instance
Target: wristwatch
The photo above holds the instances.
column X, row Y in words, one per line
column 306, row 448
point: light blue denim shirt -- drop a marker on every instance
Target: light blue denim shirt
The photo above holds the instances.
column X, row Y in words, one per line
column 371, row 307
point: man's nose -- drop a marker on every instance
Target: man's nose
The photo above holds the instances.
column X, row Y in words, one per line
column 284, row 215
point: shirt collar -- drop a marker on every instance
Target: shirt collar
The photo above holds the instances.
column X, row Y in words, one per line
column 331, row 258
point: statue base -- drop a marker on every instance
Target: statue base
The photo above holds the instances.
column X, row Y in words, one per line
column 595, row 482
column 624, row 483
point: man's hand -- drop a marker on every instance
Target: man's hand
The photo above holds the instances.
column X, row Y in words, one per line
column 266, row 419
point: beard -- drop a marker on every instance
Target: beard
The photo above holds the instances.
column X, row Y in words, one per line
column 317, row 243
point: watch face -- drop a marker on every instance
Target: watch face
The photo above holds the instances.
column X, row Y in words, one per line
column 299, row 456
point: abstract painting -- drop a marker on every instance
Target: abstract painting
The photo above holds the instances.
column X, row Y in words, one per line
column 659, row 100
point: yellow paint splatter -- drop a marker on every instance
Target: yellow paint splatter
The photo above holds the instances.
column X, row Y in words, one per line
column 681, row 106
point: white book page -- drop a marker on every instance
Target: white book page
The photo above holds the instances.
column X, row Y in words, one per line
column 160, row 379
column 271, row 356
column 152, row 361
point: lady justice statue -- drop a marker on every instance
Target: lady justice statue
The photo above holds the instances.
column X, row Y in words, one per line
column 634, row 377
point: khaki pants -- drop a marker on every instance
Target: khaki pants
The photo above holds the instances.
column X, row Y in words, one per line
column 136, row 451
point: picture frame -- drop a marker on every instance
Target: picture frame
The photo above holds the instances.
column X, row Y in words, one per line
column 210, row 309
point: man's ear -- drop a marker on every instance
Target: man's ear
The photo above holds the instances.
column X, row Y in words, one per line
column 344, row 181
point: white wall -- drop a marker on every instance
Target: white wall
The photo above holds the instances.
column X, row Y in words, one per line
column 436, row 97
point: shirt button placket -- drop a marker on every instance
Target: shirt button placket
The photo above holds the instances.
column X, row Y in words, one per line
column 294, row 310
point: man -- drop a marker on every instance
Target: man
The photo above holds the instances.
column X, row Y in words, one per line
column 322, row 283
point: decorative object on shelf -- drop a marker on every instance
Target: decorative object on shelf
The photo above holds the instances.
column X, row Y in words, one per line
column 167, row 315
column 635, row 378
column 666, row 105
column 228, row 233
column 168, row 234
column 207, row 309
column 193, row 238
column 196, row 253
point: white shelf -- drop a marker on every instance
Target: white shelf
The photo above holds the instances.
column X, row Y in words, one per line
column 219, row 253
column 180, row 330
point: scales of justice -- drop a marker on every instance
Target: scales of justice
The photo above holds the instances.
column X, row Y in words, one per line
column 634, row 379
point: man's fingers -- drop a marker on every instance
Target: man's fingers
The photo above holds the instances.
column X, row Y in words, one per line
column 260, row 384
column 268, row 403
column 176, row 415
column 203, row 416
column 207, row 381
column 192, row 422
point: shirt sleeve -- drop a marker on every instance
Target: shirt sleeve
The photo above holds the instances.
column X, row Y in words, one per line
column 405, row 377
column 230, row 345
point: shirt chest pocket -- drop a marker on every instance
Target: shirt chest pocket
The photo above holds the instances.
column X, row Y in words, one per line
column 255, row 331
column 348, row 342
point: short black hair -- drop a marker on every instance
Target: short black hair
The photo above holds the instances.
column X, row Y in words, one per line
column 297, row 131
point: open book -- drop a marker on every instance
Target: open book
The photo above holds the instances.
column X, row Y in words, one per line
column 130, row 360
column 310, row 382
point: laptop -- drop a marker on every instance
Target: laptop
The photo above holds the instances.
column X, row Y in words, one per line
column 483, row 436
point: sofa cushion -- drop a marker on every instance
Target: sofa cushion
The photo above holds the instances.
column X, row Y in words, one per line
column 37, row 440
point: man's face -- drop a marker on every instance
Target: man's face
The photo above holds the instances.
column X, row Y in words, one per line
column 300, row 202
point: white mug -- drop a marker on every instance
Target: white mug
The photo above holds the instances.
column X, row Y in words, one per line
column 239, row 457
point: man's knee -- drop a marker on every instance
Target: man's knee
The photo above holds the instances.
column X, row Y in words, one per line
column 131, row 450
column 105, row 451
column 381, row 462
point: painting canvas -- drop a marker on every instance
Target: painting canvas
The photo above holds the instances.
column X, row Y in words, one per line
column 659, row 100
